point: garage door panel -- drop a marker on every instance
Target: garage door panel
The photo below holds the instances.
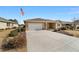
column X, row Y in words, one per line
column 35, row 26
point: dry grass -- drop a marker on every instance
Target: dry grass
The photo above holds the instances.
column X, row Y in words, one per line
column 74, row 32
column 18, row 43
column 3, row 34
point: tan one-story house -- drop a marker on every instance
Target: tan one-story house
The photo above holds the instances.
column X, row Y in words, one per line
column 5, row 24
column 41, row 24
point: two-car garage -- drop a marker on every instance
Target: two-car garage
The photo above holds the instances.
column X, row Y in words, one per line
column 35, row 26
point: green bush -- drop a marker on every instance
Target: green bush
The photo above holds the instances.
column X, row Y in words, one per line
column 16, row 31
column 21, row 29
column 13, row 33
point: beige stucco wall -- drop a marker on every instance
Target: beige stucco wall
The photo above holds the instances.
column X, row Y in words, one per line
column 15, row 25
column 12, row 25
column 45, row 25
column 3, row 25
column 57, row 25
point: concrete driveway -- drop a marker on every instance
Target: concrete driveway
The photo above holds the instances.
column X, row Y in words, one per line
column 47, row 41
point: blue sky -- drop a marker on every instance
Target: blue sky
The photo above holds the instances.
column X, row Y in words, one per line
column 66, row 13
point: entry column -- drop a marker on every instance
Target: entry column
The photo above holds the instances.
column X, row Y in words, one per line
column 46, row 25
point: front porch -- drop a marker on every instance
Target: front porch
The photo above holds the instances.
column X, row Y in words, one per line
column 49, row 25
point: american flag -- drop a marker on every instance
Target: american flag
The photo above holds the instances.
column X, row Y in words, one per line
column 22, row 12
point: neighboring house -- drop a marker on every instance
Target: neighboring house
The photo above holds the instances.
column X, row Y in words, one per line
column 76, row 24
column 4, row 24
column 70, row 25
column 41, row 24
column 11, row 24
column 67, row 25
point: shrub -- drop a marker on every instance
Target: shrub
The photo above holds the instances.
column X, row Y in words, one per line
column 21, row 29
column 63, row 28
column 13, row 33
column 13, row 43
column 16, row 31
column 8, row 45
column 1, row 30
column 14, row 27
column 55, row 30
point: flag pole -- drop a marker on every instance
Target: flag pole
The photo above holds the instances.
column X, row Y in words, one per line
column 22, row 14
column 25, row 34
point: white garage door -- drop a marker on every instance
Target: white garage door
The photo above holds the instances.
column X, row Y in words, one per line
column 35, row 26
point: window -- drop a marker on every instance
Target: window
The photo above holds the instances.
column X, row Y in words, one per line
column 8, row 24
